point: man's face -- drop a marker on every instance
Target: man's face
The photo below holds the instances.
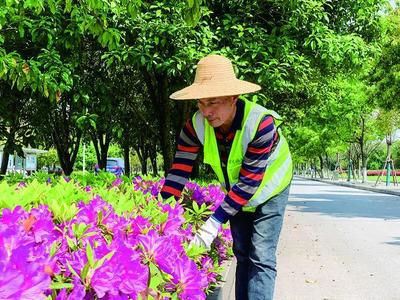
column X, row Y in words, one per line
column 218, row 111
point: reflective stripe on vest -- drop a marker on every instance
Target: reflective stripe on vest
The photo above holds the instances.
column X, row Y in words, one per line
column 278, row 173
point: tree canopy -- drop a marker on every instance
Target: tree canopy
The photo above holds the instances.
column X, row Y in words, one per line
column 102, row 71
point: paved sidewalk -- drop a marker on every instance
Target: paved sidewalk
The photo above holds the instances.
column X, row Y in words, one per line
column 367, row 186
column 226, row 291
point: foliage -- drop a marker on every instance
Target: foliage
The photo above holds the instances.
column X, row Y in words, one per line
column 103, row 71
column 385, row 76
column 81, row 235
column 48, row 159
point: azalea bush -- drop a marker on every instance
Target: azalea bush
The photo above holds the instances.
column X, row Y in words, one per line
column 67, row 239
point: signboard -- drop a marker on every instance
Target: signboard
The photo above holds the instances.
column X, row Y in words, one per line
column 10, row 160
column 19, row 163
column 31, row 162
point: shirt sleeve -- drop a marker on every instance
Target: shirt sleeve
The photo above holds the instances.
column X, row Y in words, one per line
column 186, row 153
column 251, row 172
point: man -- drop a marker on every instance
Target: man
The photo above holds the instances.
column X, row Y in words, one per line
column 244, row 146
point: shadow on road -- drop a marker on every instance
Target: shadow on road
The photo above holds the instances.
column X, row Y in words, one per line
column 396, row 241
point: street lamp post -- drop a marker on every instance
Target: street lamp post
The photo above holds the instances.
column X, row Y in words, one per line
column 84, row 157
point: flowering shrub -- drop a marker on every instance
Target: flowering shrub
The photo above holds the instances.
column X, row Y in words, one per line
column 68, row 240
column 382, row 173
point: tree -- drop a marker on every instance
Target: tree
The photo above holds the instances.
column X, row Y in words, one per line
column 388, row 122
column 385, row 75
column 16, row 130
column 40, row 47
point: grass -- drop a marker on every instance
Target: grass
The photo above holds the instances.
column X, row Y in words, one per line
column 382, row 179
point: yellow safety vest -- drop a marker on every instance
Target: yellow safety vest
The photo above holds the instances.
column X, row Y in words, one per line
column 279, row 170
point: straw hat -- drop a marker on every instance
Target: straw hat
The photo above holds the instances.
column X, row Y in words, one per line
column 215, row 78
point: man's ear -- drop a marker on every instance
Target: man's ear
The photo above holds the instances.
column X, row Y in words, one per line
column 235, row 99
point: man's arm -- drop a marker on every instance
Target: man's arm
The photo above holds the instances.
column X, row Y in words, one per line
column 186, row 153
column 251, row 172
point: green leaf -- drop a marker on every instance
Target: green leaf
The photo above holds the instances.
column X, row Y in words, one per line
column 190, row 3
column 93, row 123
column 21, row 30
column 72, row 269
column 155, row 278
column 71, row 243
column 61, row 285
column 52, row 6
column 89, row 254
column 195, row 207
column 101, row 261
column 84, row 272
column 54, row 247
column 68, row 5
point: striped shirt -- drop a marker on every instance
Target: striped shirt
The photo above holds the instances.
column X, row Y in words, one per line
column 251, row 172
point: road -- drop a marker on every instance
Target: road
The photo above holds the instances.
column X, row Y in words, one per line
column 339, row 243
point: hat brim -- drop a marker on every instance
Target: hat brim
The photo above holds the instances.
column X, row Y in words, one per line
column 213, row 90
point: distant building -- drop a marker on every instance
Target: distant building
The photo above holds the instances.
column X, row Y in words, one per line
column 396, row 135
column 20, row 164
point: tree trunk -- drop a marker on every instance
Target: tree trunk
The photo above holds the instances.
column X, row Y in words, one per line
column 364, row 163
column 153, row 160
column 154, row 166
column 327, row 165
column 364, row 174
column 4, row 163
column 141, row 153
column 104, row 152
column 388, row 148
column 101, row 142
column 321, row 165
column 165, row 123
column 67, row 159
column 8, row 148
column 157, row 85
column 127, row 165
column 143, row 163
column 364, row 155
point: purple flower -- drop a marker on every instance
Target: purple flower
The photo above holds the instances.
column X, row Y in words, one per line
column 175, row 218
column 12, row 217
column 189, row 282
column 208, row 267
column 131, row 278
column 138, row 225
column 137, row 182
column 155, row 247
column 78, row 291
column 22, row 273
column 27, row 283
column 21, row 185
column 43, row 227
column 27, row 237
column 117, row 182
column 188, row 232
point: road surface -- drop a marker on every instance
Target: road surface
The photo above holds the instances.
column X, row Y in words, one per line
column 339, row 243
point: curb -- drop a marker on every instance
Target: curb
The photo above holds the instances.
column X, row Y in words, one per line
column 226, row 285
column 355, row 186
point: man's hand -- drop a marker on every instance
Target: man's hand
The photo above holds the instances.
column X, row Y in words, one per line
column 207, row 233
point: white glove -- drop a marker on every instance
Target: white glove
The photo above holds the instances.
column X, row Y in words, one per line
column 206, row 234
